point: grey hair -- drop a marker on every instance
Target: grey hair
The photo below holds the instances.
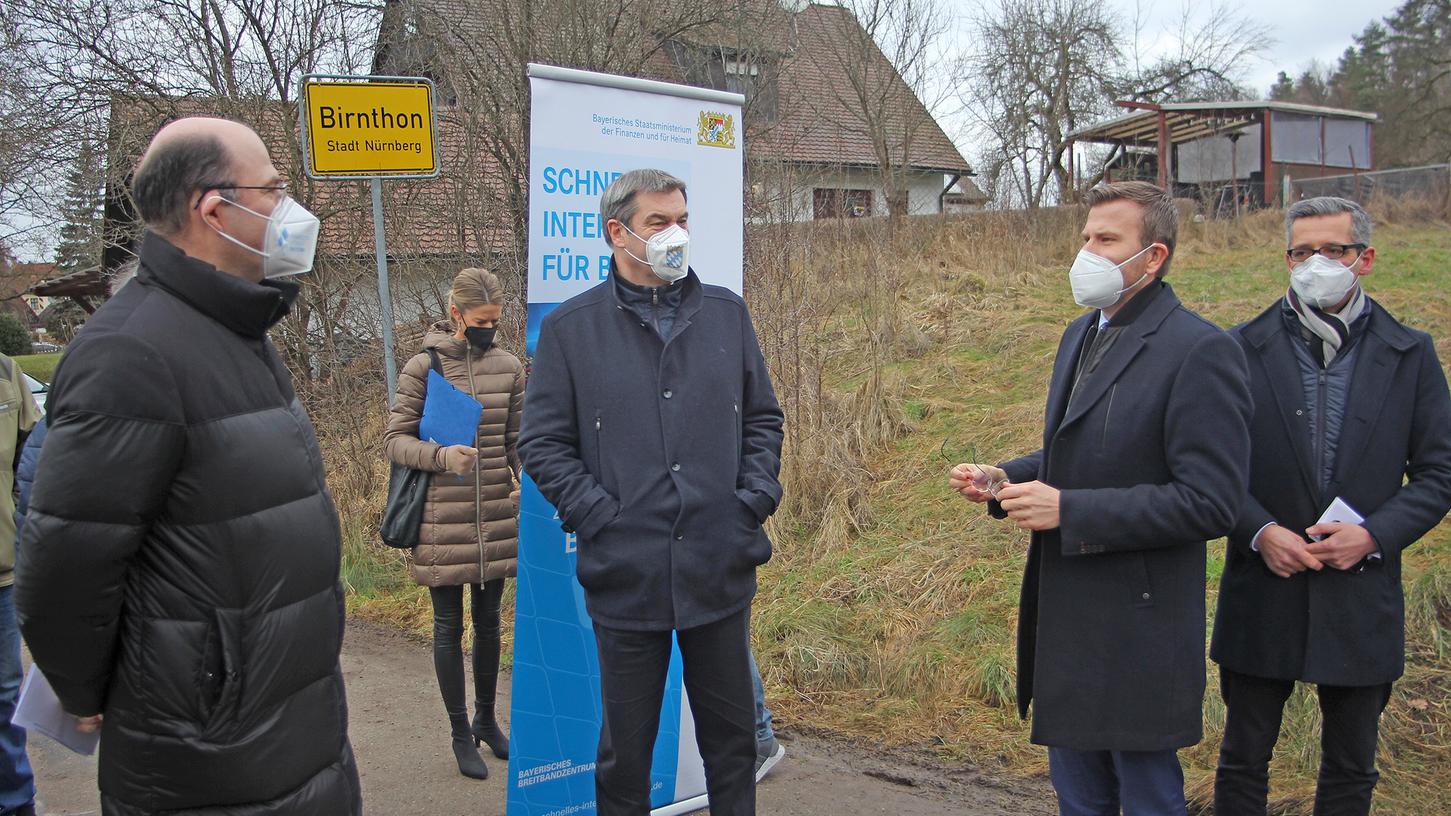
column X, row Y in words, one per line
column 618, row 203
column 1329, row 205
column 169, row 174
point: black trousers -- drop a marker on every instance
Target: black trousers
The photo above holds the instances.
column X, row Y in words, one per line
column 633, row 666
column 448, row 656
column 1350, row 725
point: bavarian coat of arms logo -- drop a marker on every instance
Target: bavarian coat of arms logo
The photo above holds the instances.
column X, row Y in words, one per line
column 716, row 130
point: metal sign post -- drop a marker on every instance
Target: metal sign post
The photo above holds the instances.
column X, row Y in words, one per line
column 369, row 128
column 385, row 295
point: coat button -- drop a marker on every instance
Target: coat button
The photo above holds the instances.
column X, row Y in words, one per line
column 1299, row 412
column 668, row 394
column 679, row 536
column 1146, row 596
column 675, row 467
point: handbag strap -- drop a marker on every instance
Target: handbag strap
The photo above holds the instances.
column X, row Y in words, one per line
column 434, row 362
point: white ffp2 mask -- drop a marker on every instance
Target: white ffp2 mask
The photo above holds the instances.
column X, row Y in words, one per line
column 1321, row 282
column 290, row 243
column 667, row 252
column 1096, row 280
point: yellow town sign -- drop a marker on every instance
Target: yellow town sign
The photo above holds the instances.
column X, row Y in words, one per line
column 366, row 129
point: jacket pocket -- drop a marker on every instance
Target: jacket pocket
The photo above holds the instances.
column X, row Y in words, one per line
column 599, row 445
column 753, row 522
column 736, row 407
column 1141, row 589
column 222, row 673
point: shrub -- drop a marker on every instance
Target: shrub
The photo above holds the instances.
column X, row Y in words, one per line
column 14, row 339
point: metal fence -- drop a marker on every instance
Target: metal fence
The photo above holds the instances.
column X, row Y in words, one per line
column 1430, row 182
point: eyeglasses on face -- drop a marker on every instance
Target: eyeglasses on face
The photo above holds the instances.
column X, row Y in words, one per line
column 1334, row 252
column 279, row 188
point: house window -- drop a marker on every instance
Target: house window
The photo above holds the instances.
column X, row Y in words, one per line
column 753, row 76
column 741, row 77
column 833, row 203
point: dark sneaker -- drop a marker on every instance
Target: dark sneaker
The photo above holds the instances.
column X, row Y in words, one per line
column 767, row 755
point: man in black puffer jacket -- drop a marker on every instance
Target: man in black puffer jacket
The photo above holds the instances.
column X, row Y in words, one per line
column 180, row 581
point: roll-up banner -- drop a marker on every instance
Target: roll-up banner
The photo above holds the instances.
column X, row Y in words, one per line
column 586, row 129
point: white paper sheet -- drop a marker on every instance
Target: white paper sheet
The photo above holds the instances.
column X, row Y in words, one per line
column 39, row 710
column 1340, row 513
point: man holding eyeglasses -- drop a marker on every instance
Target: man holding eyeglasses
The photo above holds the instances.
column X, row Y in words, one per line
column 1350, row 465
column 179, row 587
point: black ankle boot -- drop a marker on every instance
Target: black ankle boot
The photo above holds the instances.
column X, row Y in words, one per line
column 465, row 750
column 486, row 730
column 470, row 764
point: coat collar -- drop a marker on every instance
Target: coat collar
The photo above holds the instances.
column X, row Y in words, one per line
column 691, row 297
column 635, row 293
column 440, row 338
column 1137, row 305
column 247, row 308
column 1130, row 342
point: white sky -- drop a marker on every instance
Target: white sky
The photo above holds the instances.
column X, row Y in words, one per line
column 1304, row 30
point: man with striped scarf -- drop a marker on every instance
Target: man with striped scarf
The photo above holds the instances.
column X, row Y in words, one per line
column 1350, row 464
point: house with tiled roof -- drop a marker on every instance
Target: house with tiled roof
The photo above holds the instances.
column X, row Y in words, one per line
column 965, row 196
column 823, row 132
column 815, row 145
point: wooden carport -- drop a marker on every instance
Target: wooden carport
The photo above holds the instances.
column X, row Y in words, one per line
column 1162, row 127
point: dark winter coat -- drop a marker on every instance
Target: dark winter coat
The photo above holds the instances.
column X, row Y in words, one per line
column 1392, row 464
column 181, row 555
column 1151, row 458
column 661, row 454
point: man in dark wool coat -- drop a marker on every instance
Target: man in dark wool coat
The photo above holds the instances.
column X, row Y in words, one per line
column 1144, row 458
column 651, row 425
column 180, row 581
column 1350, row 465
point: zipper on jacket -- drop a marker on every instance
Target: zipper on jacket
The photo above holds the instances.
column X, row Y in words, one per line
column 1321, row 422
column 478, row 502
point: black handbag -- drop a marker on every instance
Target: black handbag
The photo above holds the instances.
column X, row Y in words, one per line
column 407, row 493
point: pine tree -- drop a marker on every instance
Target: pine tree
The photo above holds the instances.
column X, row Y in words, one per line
column 1364, row 73
column 80, row 235
column 1284, row 88
column 1401, row 69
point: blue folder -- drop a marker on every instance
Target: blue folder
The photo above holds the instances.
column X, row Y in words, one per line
column 450, row 417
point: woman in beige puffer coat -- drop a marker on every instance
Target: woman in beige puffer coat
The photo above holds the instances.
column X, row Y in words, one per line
column 470, row 529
